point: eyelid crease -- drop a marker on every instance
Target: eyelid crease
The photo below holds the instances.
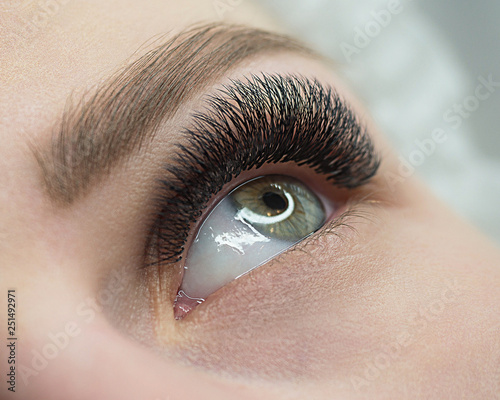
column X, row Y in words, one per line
column 265, row 119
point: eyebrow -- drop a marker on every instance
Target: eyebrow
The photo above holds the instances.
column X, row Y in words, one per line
column 123, row 113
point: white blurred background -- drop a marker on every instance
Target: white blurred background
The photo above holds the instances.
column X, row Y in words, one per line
column 424, row 58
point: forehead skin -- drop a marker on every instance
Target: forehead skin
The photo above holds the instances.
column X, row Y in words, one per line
column 80, row 44
column 49, row 54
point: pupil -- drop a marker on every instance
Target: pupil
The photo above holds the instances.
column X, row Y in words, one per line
column 274, row 201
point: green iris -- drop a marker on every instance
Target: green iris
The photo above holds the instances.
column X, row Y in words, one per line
column 280, row 207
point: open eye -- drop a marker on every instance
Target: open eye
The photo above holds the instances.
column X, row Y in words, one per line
column 263, row 123
column 255, row 222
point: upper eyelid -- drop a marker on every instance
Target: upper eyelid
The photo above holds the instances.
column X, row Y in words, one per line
column 108, row 124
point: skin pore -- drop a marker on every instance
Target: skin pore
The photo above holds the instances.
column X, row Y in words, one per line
column 400, row 302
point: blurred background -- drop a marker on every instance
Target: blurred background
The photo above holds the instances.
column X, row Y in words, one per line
column 416, row 64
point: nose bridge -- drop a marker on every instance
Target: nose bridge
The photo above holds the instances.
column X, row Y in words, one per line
column 45, row 261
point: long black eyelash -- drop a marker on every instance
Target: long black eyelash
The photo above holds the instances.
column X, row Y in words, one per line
column 263, row 119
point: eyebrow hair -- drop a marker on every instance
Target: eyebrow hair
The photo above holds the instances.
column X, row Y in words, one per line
column 124, row 112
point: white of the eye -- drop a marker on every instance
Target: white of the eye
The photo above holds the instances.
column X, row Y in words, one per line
column 225, row 248
column 252, row 217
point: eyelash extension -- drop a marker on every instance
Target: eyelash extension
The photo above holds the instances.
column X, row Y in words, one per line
column 264, row 119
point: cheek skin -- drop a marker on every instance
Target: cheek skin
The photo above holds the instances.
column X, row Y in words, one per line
column 100, row 363
column 301, row 306
column 325, row 311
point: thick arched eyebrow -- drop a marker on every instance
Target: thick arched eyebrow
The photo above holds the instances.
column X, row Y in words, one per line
column 95, row 133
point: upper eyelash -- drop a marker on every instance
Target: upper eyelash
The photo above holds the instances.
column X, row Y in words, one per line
column 264, row 119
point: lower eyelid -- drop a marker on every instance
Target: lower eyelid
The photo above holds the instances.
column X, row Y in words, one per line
column 327, row 256
column 340, row 225
column 337, row 236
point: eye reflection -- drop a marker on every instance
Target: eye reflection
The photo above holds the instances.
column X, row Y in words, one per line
column 255, row 222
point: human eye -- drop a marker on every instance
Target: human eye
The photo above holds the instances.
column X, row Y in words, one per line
column 257, row 174
column 255, row 222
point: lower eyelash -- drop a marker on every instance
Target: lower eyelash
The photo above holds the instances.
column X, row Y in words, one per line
column 268, row 119
column 355, row 212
